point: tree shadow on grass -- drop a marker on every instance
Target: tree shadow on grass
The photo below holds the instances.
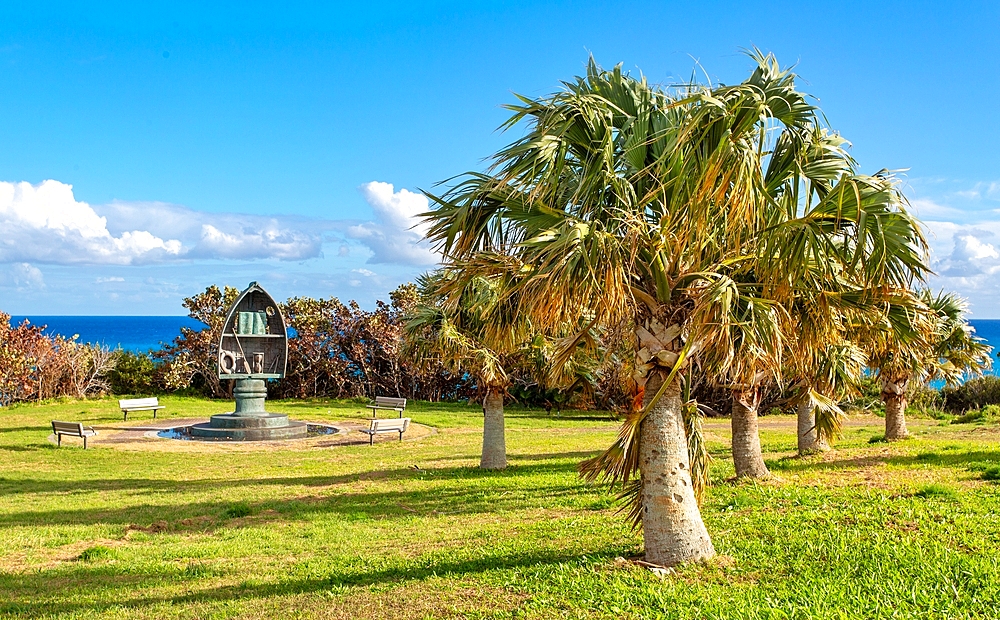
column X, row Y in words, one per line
column 23, row 429
column 513, row 458
column 13, row 486
column 31, row 447
column 947, row 459
column 504, row 491
column 64, row 585
column 943, row 459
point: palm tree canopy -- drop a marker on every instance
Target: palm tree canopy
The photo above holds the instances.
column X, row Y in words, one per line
column 710, row 208
column 956, row 350
column 453, row 330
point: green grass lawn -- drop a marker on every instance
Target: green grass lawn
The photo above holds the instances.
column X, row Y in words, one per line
column 415, row 530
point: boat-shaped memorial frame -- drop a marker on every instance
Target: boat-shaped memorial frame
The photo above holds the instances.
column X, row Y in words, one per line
column 254, row 341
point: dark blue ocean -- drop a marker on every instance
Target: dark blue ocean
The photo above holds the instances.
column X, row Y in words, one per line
column 141, row 333
column 131, row 333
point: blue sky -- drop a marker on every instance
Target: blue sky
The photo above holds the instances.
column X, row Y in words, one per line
column 146, row 153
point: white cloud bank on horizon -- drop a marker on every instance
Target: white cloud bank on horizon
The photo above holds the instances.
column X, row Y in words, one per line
column 21, row 276
column 397, row 234
column 235, row 236
column 45, row 223
column 963, row 232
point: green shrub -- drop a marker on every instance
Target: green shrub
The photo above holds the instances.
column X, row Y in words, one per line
column 870, row 398
column 925, row 401
column 989, row 412
column 973, row 394
column 972, row 416
column 133, row 374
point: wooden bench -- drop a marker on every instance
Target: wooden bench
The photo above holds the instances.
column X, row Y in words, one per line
column 399, row 425
column 73, row 429
column 387, row 402
column 140, row 404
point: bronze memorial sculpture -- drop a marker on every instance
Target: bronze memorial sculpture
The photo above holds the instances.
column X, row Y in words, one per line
column 253, row 348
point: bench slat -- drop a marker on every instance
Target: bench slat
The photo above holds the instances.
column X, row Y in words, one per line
column 387, row 402
column 132, row 403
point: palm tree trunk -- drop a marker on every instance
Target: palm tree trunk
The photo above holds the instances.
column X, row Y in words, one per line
column 494, row 443
column 672, row 527
column 894, row 397
column 895, row 416
column 747, row 456
column 809, row 439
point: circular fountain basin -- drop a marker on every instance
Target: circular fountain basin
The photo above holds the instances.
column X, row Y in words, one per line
column 205, row 432
column 234, row 427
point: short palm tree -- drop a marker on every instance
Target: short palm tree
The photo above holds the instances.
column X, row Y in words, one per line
column 628, row 207
column 936, row 342
column 456, row 332
column 827, row 375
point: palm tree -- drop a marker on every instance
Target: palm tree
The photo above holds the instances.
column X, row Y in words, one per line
column 936, row 342
column 628, row 207
column 454, row 332
column 828, row 374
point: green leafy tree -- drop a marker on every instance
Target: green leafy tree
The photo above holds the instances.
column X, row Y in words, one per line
column 133, row 373
column 193, row 356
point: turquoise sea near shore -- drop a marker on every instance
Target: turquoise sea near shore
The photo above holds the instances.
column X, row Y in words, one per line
column 131, row 333
column 142, row 333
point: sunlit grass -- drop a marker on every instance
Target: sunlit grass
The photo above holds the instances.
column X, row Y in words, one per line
column 415, row 529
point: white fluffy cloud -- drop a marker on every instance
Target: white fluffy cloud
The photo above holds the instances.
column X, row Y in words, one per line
column 966, row 260
column 45, row 223
column 237, row 236
column 397, row 234
column 964, row 251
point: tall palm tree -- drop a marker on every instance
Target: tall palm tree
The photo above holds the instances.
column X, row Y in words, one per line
column 935, row 343
column 629, row 207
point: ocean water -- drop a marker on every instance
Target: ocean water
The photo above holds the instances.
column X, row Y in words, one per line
column 990, row 330
column 141, row 333
column 131, row 333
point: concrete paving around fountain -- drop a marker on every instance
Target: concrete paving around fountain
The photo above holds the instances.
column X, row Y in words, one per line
column 250, row 422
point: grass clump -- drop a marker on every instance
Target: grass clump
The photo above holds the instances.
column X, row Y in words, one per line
column 238, row 511
column 991, row 474
column 95, row 553
column 936, row 490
